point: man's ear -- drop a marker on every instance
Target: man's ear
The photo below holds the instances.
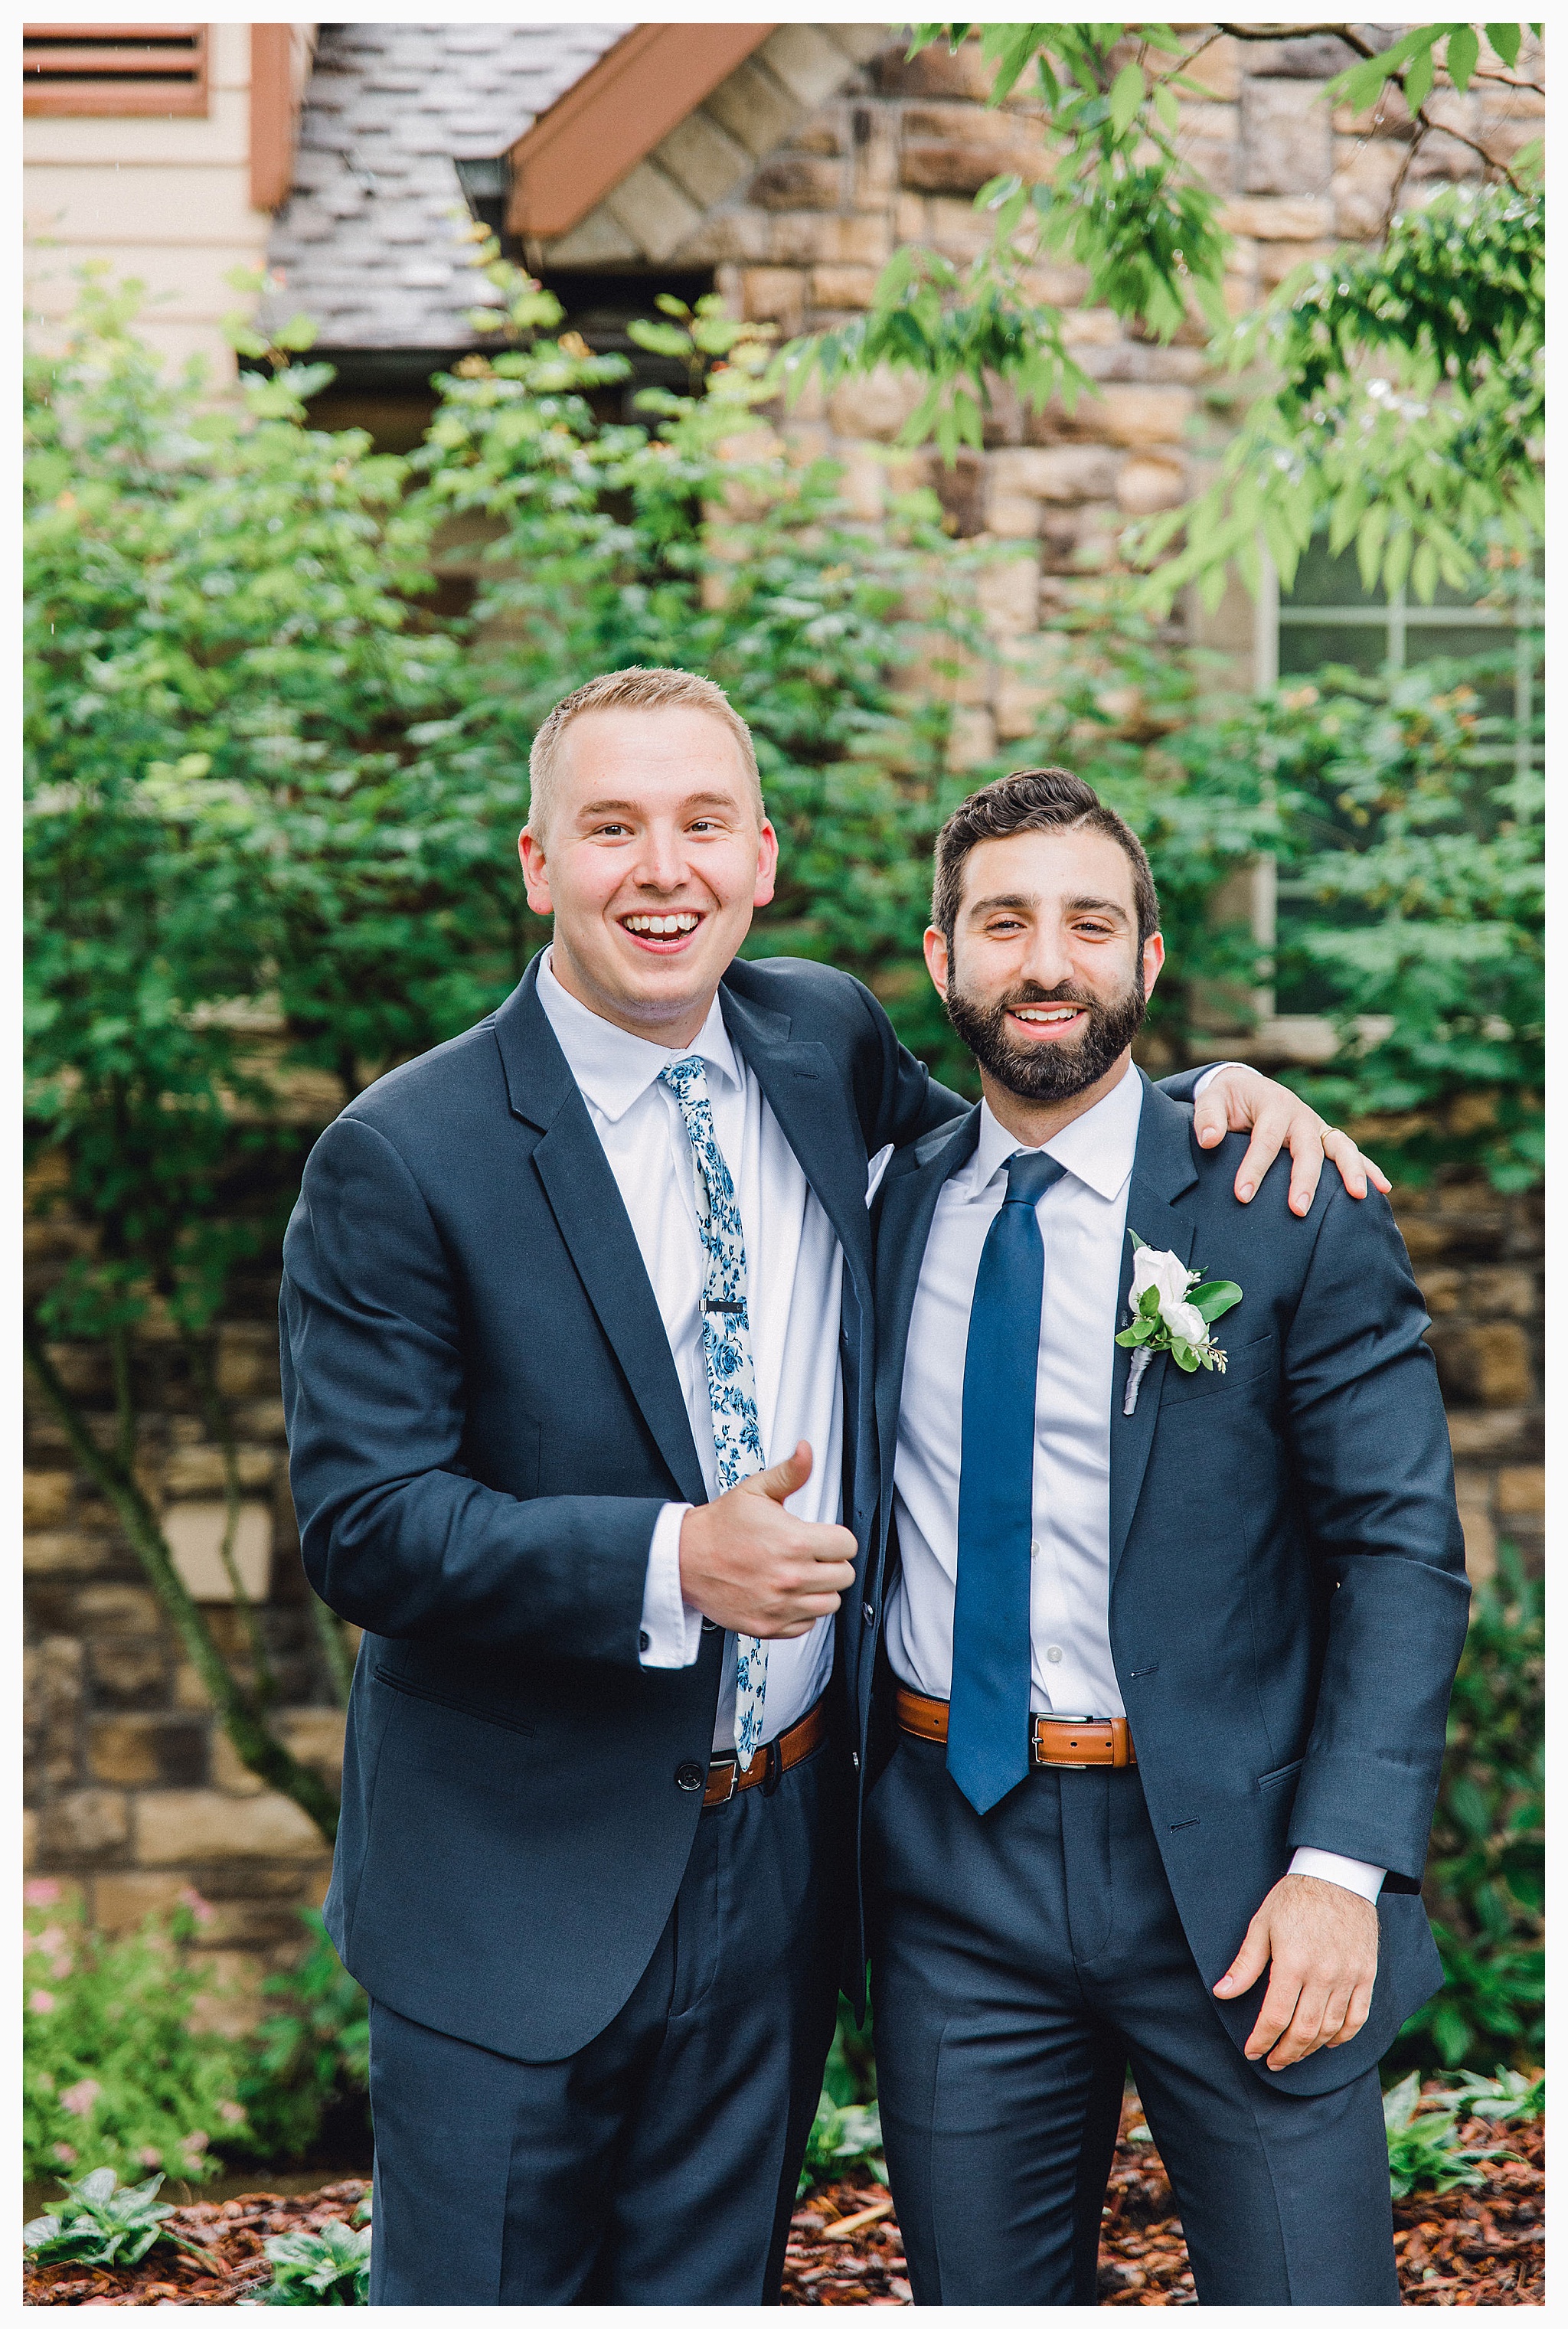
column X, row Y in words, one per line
column 767, row 865
column 936, row 950
column 535, row 879
column 1153, row 961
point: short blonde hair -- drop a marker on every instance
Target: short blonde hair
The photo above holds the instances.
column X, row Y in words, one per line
column 637, row 688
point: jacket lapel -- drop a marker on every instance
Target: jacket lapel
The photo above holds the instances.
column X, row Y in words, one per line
column 806, row 1092
column 906, row 1204
column 1162, row 1171
column 582, row 1189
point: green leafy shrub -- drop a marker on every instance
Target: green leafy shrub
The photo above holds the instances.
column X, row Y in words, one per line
column 1424, row 2152
column 1416, row 831
column 1486, row 1878
column 1506, row 2095
column 112, row 2071
column 97, row 2224
column 329, row 2266
column 309, row 2064
column 843, row 2137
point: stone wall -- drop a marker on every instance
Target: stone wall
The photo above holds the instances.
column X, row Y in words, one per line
column 1479, row 1260
column 133, row 1790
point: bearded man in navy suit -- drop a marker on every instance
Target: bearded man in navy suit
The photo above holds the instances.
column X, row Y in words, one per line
column 1157, row 1642
column 577, row 1341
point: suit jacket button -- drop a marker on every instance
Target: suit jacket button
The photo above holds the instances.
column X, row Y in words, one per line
column 644, row 1639
column 868, row 1614
column 688, row 1777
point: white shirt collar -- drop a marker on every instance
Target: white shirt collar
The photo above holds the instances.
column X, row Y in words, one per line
column 613, row 1068
column 1096, row 1148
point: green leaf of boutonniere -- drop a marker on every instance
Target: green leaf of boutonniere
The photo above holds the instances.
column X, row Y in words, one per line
column 1213, row 1301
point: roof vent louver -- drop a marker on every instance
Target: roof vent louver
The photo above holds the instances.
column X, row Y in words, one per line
column 113, row 69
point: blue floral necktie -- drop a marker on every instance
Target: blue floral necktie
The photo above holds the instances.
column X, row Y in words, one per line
column 727, row 1347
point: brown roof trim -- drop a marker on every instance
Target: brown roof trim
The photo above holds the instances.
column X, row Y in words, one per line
column 272, row 115
column 602, row 129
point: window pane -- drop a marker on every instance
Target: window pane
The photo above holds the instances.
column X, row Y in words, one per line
column 1306, row 646
column 1325, row 581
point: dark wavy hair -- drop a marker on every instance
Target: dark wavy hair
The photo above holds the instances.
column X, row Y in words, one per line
column 1033, row 800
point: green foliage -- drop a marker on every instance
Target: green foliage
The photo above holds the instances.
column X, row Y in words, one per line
column 1404, row 813
column 1412, row 62
column 849, row 2074
column 842, row 2136
column 311, row 2057
column 1404, row 396
column 1114, row 197
column 96, row 2224
column 222, row 659
column 1486, row 1878
column 112, row 2071
column 329, row 2266
column 1424, row 2151
column 1406, row 409
column 1507, row 2095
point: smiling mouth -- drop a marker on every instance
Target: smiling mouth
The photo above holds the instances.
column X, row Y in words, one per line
column 666, row 933
column 1046, row 1023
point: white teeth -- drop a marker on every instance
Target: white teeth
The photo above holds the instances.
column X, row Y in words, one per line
column 661, row 926
column 1048, row 1018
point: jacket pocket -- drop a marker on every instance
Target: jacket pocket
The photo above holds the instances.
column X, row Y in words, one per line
column 1277, row 1779
column 460, row 1706
column 1248, row 1359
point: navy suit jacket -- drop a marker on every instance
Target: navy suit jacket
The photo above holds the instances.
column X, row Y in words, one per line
column 1288, row 1592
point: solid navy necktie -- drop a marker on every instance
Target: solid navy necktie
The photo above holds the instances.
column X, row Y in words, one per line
column 988, row 1716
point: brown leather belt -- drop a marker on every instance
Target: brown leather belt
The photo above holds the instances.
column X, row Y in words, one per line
column 1078, row 1744
column 726, row 1778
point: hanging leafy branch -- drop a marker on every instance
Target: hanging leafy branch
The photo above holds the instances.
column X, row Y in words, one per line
column 1113, row 195
column 1417, row 459
column 1408, row 410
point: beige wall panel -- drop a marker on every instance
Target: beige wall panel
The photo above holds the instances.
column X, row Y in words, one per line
column 204, row 203
column 223, row 137
column 193, row 276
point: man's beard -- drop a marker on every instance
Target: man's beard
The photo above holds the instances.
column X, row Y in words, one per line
column 1051, row 1071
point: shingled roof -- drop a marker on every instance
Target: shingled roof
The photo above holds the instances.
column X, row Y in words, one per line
column 369, row 243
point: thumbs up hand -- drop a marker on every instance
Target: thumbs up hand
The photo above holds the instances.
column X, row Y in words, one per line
column 753, row 1568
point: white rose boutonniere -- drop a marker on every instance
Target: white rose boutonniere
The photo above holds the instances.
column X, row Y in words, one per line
column 1172, row 1310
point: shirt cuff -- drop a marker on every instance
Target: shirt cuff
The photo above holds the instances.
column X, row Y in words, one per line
column 1210, row 1072
column 671, row 1634
column 1355, row 1875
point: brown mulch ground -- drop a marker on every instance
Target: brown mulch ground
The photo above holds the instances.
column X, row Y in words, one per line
column 230, row 2231
column 1470, row 2246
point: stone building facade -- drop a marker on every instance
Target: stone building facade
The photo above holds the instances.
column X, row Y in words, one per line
column 787, row 187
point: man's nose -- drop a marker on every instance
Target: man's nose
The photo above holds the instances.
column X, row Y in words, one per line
column 661, row 862
column 1047, row 961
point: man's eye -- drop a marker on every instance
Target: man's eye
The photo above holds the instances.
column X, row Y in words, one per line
column 1004, row 929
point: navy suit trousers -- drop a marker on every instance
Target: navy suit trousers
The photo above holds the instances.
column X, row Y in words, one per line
column 1018, row 1962
column 657, row 2164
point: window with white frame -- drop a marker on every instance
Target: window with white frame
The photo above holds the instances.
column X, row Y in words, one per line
column 1328, row 618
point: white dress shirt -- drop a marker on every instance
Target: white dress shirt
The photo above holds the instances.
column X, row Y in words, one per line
column 1083, row 1224
column 793, row 1267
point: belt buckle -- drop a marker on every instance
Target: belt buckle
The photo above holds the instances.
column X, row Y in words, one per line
column 730, row 1763
column 1038, row 1723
